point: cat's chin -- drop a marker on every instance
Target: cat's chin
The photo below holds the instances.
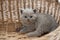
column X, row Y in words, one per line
column 29, row 23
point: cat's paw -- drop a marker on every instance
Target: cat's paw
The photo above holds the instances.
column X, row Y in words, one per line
column 29, row 34
column 22, row 31
column 33, row 34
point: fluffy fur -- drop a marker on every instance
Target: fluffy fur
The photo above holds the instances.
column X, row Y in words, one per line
column 35, row 24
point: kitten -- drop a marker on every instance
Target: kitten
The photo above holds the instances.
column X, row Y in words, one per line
column 35, row 24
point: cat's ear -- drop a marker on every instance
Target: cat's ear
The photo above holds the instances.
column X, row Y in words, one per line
column 21, row 11
column 34, row 10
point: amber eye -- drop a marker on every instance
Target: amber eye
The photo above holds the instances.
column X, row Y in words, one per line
column 25, row 16
column 31, row 16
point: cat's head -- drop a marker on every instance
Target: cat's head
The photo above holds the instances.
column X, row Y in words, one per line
column 28, row 15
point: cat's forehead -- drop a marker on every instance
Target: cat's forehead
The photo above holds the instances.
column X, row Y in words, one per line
column 28, row 11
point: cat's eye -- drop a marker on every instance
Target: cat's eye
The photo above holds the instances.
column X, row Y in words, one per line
column 31, row 16
column 25, row 16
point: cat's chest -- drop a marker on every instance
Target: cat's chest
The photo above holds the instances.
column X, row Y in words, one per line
column 29, row 24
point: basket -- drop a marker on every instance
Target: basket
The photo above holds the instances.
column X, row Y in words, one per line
column 10, row 11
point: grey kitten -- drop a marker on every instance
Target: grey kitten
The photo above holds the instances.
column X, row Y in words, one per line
column 35, row 24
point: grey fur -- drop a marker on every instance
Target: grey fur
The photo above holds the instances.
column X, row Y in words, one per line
column 37, row 25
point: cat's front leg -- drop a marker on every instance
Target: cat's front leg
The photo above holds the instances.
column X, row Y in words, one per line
column 33, row 34
column 26, row 30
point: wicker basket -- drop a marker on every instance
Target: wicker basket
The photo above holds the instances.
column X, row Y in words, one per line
column 10, row 11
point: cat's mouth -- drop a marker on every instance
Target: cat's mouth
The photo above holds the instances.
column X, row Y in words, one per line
column 28, row 21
